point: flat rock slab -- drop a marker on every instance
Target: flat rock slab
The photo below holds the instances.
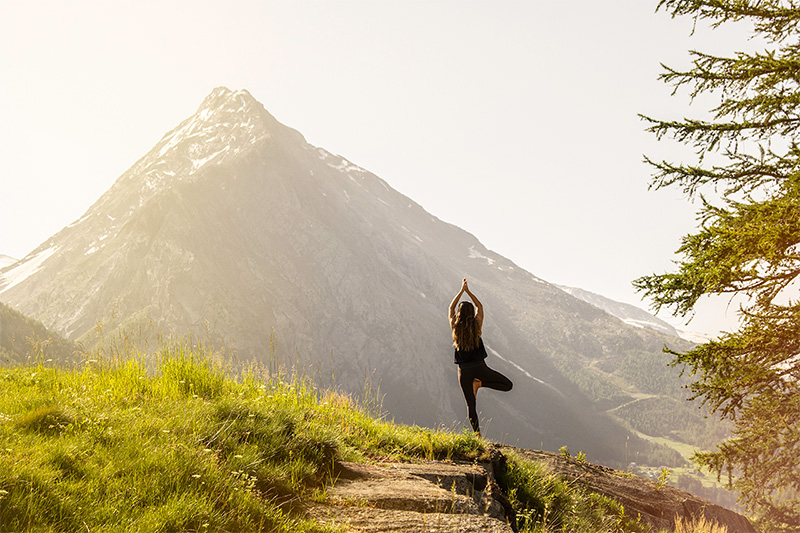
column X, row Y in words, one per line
column 382, row 520
column 432, row 496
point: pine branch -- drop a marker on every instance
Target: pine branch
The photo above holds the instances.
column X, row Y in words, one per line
column 760, row 72
column 744, row 175
column 709, row 135
column 785, row 105
column 769, row 16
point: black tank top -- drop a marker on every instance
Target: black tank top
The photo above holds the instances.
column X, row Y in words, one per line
column 477, row 355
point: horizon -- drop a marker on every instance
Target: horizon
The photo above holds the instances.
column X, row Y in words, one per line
column 477, row 92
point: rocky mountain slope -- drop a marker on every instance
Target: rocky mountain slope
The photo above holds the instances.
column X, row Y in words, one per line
column 635, row 316
column 630, row 314
column 234, row 226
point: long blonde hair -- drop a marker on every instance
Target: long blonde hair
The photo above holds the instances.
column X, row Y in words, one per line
column 466, row 329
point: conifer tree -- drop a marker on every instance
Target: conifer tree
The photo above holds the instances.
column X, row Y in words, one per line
column 747, row 243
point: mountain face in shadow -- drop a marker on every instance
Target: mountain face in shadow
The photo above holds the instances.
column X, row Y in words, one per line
column 234, row 225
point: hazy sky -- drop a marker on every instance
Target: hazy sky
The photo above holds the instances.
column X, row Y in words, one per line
column 516, row 121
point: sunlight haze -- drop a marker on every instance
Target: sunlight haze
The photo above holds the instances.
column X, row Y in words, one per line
column 516, row 121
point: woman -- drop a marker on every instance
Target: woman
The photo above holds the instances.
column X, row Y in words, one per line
column 470, row 353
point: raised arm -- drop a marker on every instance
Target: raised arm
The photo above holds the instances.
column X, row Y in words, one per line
column 478, row 304
column 454, row 303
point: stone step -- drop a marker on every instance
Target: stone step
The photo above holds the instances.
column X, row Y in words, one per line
column 428, row 496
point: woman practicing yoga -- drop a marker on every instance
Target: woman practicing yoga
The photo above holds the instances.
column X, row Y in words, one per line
column 470, row 353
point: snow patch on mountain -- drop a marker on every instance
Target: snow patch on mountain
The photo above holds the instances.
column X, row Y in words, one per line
column 525, row 372
column 25, row 269
column 630, row 314
column 339, row 163
column 634, row 316
column 197, row 163
column 346, row 166
column 693, row 336
column 410, row 232
column 475, row 254
column 84, row 217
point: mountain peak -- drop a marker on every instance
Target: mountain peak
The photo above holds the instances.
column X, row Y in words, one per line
column 223, row 102
column 226, row 120
column 222, row 95
column 226, row 124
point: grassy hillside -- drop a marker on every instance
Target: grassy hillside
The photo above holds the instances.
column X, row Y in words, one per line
column 24, row 340
column 112, row 446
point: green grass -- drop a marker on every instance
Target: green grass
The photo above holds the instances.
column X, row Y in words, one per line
column 548, row 503
column 112, row 446
column 686, row 450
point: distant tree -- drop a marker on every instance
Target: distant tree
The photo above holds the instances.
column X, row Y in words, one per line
column 747, row 243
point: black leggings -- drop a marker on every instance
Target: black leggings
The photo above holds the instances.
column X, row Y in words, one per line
column 489, row 378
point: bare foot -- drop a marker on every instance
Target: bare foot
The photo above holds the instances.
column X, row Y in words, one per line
column 476, row 384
